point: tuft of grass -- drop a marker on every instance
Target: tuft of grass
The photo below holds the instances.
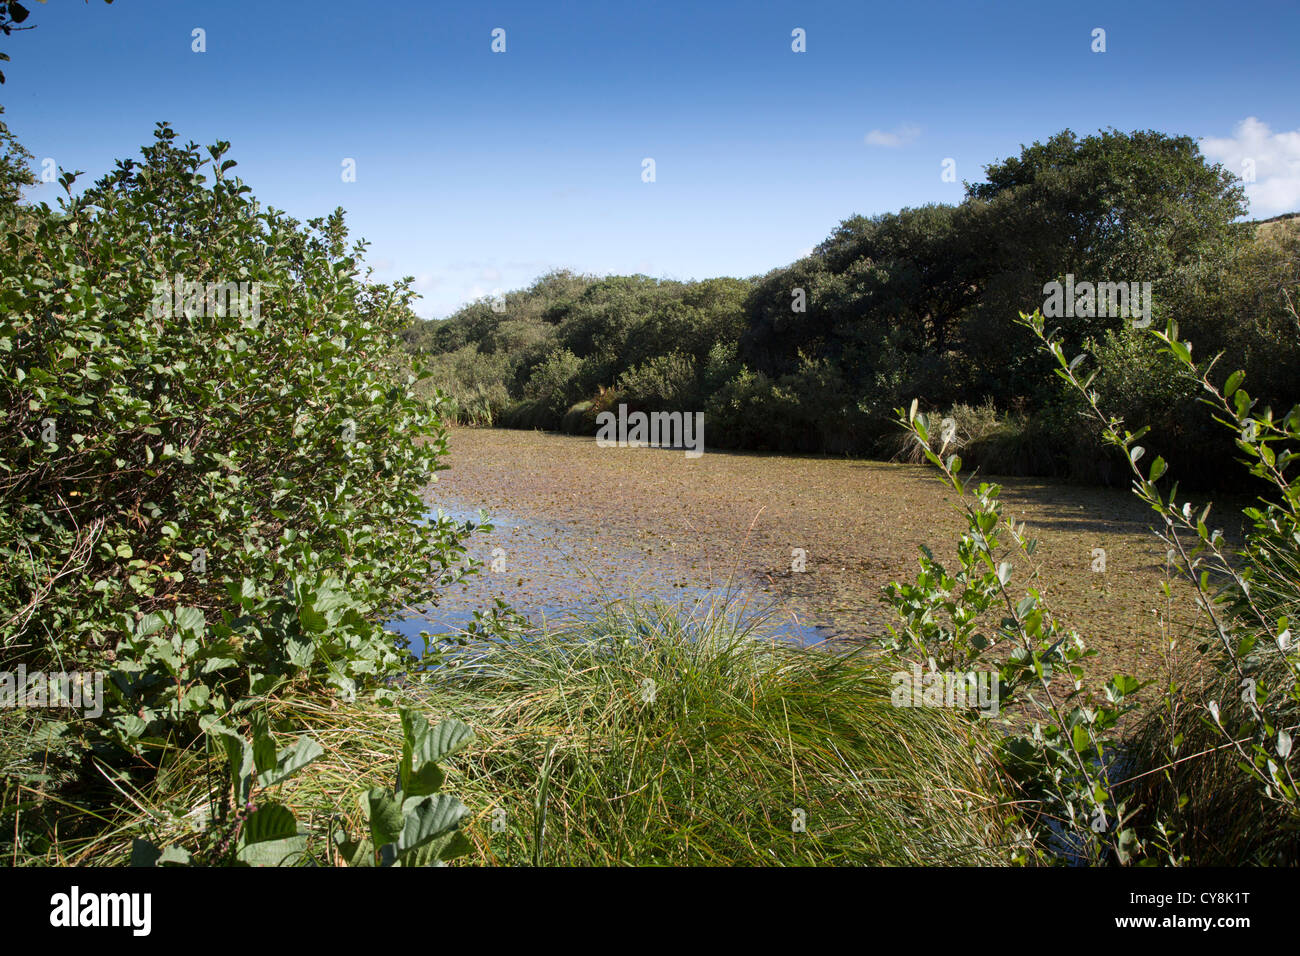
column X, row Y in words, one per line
column 647, row 734
column 652, row 735
column 970, row 425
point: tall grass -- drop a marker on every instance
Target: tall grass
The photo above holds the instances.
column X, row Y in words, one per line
column 651, row 735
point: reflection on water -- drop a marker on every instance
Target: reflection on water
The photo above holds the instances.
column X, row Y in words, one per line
column 550, row 570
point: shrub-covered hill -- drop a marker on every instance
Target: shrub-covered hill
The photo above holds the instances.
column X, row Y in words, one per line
column 815, row 356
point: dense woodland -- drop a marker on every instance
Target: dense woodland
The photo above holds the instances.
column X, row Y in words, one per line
column 922, row 303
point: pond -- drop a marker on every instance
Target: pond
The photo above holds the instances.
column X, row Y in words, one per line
column 552, row 570
column 809, row 540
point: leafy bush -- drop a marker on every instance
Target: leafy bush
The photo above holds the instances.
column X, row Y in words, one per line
column 664, row 383
column 553, row 385
column 413, row 824
column 205, row 500
column 1207, row 775
column 530, row 413
column 748, row 412
column 472, row 383
column 575, row 420
column 973, row 619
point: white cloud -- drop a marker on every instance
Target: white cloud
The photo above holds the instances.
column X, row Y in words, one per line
column 1276, row 159
column 899, row 137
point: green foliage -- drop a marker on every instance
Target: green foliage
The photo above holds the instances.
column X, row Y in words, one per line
column 553, row 385
column 750, row 411
column 916, row 304
column 662, row 383
column 413, row 824
column 474, row 384
column 957, row 620
column 15, row 171
column 1246, row 626
column 240, row 830
column 1207, row 775
column 205, row 500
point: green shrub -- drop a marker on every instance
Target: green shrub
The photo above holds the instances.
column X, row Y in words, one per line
column 1060, row 743
column 664, row 383
column 472, row 383
column 576, row 419
column 1017, row 445
column 530, row 413
column 553, row 386
column 204, row 500
column 749, row 412
column 1212, row 767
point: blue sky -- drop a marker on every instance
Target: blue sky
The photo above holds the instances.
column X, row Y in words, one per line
column 478, row 171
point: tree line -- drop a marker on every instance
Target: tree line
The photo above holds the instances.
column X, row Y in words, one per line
column 923, row 303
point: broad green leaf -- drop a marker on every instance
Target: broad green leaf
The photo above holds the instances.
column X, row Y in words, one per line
column 284, row 852
column 270, row 821
column 304, row 751
column 385, row 817
column 431, row 818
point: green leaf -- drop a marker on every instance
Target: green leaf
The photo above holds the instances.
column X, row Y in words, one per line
column 173, row 856
column 270, row 821
column 436, row 743
column 300, row 651
column 304, row 751
column 190, row 620
column 144, row 853
column 428, row 779
column 263, row 757
column 1079, row 738
column 458, row 845
column 284, row 852
column 355, row 852
column 431, row 818
column 385, row 817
